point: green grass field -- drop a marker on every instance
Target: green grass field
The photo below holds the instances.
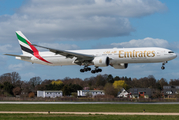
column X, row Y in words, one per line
column 87, row 108
column 174, row 108
column 82, row 117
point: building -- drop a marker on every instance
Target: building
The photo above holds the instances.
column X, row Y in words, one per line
column 170, row 91
column 89, row 93
column 141, row 92
column 49, row 93
column 123, row 94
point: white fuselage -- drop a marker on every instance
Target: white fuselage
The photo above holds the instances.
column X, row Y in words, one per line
column 116, row 55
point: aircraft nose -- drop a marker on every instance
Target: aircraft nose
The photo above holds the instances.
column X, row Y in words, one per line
column 175, row 55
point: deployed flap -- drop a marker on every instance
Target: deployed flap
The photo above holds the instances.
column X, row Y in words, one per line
column 68, row 54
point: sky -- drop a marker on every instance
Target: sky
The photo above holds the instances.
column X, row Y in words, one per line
column 89, row 24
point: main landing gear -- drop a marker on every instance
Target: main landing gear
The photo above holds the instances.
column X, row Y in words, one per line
column 96, row 70
column 163, row 67
column 85, row 69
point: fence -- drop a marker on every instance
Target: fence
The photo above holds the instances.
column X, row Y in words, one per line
column 72, row 99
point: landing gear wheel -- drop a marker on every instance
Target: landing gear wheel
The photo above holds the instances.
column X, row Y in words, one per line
column 85, row 69
column 89, row 69
column 99, row 70
column 96, row 71
column 93, row 71
column 81, row 70
column 162, row 67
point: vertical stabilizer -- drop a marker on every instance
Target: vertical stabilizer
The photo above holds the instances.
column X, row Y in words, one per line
column 24, row 44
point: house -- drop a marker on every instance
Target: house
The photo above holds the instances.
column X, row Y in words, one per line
column 170, row 91
column 141, row 92
column 90, row 93
column 123, row 93
column 49, row 93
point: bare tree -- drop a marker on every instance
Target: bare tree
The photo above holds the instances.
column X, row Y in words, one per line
column 35, row 81
column 26, row 88
column 16, row 91
column 110, row 90
column 174, row 82
column 162, row 82
column 15, row 77
column 5, row 78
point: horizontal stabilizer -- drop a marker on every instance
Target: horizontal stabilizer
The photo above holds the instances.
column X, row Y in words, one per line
column 22, row 56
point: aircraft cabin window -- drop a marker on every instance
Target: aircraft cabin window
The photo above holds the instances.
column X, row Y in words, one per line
column 170, row 52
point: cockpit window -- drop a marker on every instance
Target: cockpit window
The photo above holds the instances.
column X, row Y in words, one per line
column 170, row 52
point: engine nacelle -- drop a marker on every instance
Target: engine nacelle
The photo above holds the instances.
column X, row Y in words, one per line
column 102, row 61
column 121, row 66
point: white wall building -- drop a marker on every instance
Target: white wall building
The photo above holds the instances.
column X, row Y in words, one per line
column 49, row 93
column 123, row 94
column 92, row 93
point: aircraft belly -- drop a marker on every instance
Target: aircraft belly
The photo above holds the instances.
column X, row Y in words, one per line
column 53, row 61
column 60, row 61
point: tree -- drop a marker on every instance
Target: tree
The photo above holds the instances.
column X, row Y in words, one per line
column 117, row 78
column 157, row 94
column 174, row 82
column 26, row 88
column 101, row 80
column 58, row 82
column 16, row 91
column 120, row 84
column 8, row 87
column 1, row 86
column 110, row 79
column 160, row 83
column 5, row 78
column 35, row 81
column 74, row 88
column 110, row 90
column 31, row 95
column 15, row 78
column 12, row 78
column 66, row 90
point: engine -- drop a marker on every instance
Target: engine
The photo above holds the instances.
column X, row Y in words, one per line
column 102, row 61
column 120, row 66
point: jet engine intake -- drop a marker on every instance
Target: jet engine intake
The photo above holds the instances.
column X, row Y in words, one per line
column 102, row 61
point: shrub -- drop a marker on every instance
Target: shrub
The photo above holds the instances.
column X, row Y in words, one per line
column 31, row 95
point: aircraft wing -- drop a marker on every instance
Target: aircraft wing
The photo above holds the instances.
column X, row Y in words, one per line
column 69, row 54
column 24, row 57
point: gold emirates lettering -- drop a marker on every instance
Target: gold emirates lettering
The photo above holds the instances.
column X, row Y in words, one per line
column 140, row 54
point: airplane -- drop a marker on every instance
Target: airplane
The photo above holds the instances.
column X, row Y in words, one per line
column 119, row 58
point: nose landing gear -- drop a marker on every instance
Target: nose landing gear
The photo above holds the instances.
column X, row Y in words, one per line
column 163, row 67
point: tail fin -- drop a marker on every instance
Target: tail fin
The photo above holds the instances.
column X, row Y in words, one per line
column 25, row 44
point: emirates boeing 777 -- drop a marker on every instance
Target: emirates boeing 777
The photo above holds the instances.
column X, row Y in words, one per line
column 119, row 58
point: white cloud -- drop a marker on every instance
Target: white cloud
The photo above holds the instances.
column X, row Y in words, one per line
column 2, row 61
column 76, row 20
column 20, row 66
column 28, row 75
column 8, row 49
column 146, row 42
